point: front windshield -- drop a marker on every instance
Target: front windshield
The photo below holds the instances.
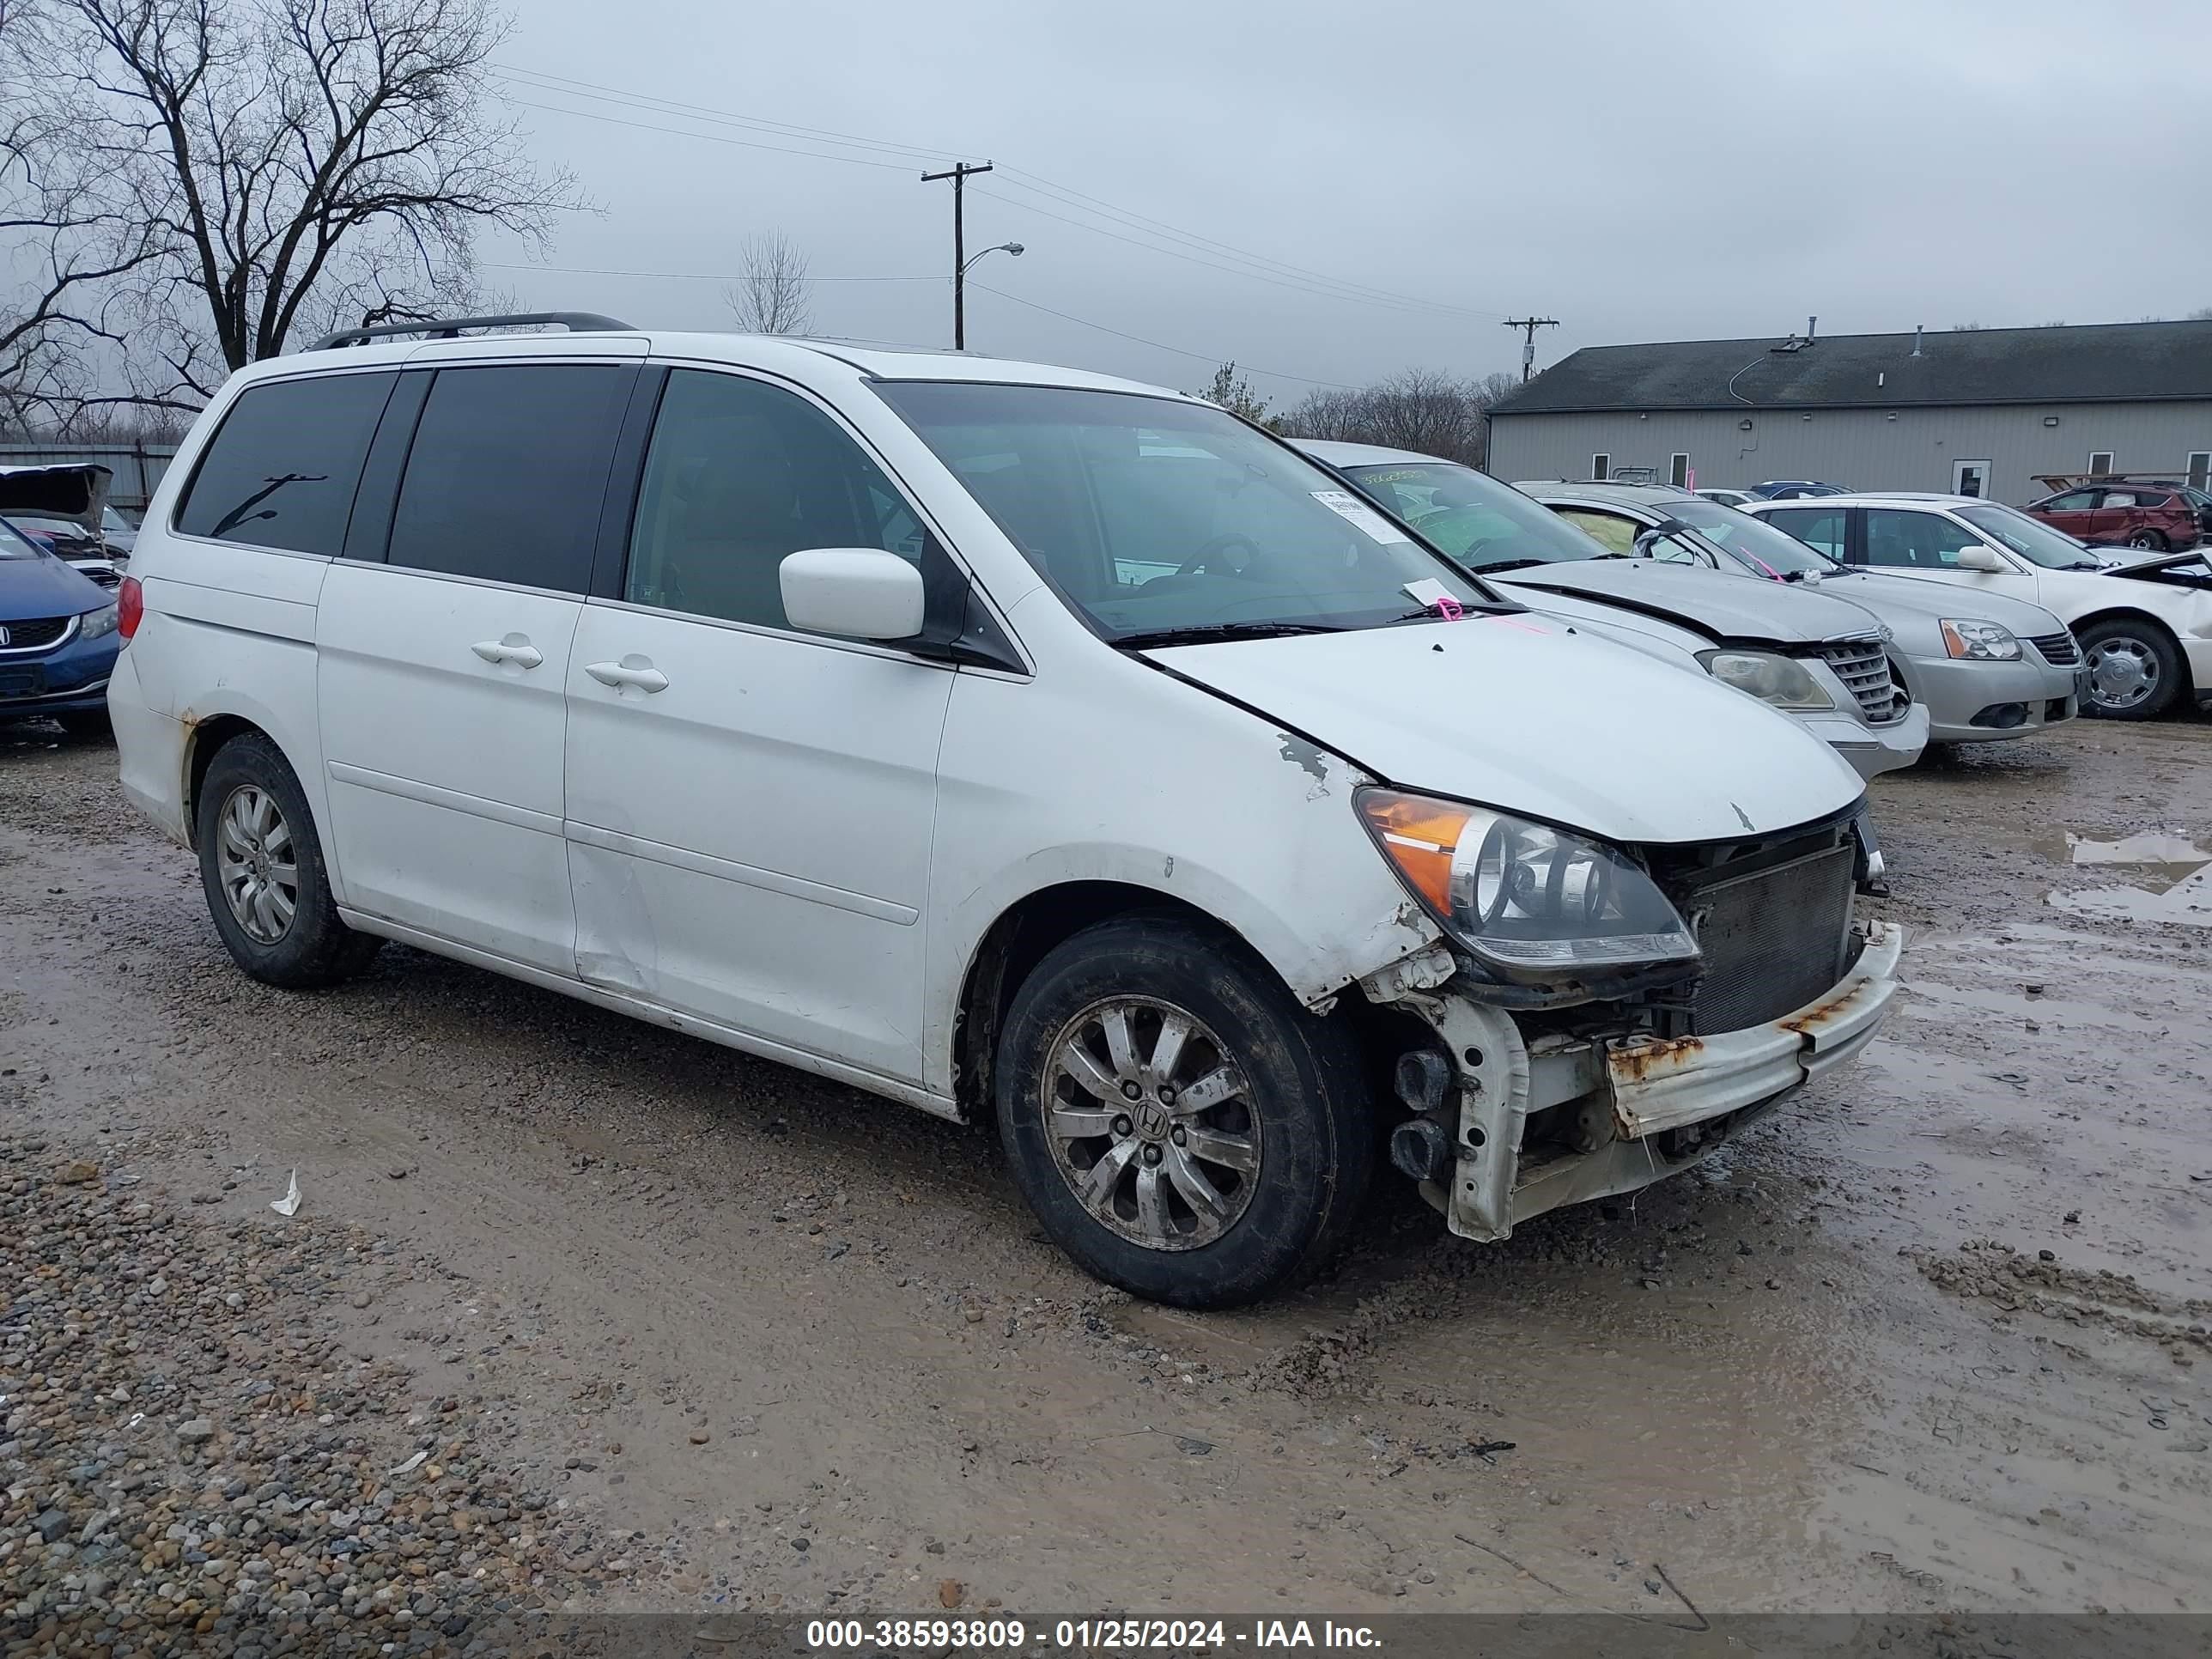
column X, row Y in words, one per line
column 1484, row 524
column 2031, row 538
column 1152, row 516
column 1769, row 551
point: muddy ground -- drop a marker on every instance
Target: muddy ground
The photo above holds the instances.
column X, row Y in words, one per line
column 1925, row 1339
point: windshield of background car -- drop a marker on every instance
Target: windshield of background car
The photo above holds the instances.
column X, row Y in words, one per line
column 1484, row 524
column 1769, row 551
column 1149, row 515
column 14, row 544
column 2031, row 538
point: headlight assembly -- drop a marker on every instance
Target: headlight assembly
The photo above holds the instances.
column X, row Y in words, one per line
column 1530, row 899
column 97, row 623
column 1769, row 675
column 1979, row 642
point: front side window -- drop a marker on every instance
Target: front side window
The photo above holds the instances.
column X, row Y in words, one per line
column 1915, row 541
column 1820, row 529
column 506, row 473
column 1768, row 550
column 739, row 474
column 1610, row 531
column 282, row 469
column 1154, row 517
column 2031, row 538
column 1483, row 524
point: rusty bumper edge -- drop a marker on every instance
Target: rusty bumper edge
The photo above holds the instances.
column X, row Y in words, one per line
column 1665, row 1084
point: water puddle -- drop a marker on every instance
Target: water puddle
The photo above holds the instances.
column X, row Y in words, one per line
column 2169, row 878
column 2187, row 900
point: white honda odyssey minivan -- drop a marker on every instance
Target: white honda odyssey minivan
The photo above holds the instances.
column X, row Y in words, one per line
column 1008, row 740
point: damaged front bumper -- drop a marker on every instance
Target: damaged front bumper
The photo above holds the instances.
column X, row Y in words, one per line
column 1615, row 1114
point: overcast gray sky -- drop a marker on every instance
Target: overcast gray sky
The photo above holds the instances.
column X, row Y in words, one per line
column 1640, row 171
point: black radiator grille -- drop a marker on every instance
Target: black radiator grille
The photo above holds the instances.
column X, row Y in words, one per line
column 41, row 630
column 1773, row 941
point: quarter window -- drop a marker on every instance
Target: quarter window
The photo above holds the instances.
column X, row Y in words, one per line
column 739, row 474
column 506, row 473
column 283, row 468
column 1915, row 541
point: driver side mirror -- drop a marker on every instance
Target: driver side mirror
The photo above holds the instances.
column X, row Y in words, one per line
column 1978, row 557
column 852, row 592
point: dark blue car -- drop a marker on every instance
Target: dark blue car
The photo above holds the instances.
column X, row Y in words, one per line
column 58, row 639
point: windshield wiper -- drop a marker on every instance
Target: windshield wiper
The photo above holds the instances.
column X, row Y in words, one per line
column 1507, row 564
column 1214, row 633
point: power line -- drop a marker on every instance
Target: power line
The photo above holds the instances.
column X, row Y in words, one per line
column 1020, row 179
column 1159, row 345
column 711, row 137
column 686, row 276
column 1281, row 272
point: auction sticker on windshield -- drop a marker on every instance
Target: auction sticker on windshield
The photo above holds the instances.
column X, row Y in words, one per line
column 1357, row 512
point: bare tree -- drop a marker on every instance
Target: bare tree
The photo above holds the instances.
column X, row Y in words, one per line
column 773, row 296
column 2202, row 314
column 1421, row 409
column 1233, row 392
column 294, row 165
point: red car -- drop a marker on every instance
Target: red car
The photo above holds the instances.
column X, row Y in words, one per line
column 2116, row 511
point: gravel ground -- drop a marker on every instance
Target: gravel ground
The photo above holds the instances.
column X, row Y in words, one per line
column 675, row 1330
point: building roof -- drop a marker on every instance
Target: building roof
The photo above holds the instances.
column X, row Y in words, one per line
column 2108, row 362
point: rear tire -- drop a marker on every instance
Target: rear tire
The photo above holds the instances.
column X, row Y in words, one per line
column 2150, row 539
column 1200, row 1204
column 2134, row 670
column 261, row 867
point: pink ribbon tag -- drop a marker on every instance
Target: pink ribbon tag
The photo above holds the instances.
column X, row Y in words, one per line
column 1450, row 610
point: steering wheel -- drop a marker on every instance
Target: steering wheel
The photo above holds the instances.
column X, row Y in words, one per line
column 1220, row 543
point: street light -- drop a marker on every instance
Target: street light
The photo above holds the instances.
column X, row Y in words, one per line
column 960, row 291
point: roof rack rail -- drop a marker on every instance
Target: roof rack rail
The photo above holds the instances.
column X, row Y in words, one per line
column 449, row 328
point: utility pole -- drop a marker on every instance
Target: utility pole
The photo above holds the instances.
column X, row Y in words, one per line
column 958, row 175
column 1529, row 325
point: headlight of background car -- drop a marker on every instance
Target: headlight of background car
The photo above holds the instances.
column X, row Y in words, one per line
column 1769, row 675
column 1980, row 641
column 97, row 623
column 1529, row 899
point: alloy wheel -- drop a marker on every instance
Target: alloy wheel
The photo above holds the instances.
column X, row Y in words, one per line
column 256, row 865
column 1150, row 1123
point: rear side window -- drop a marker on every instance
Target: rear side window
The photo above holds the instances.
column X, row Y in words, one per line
column 283, row 468
column 506, row 475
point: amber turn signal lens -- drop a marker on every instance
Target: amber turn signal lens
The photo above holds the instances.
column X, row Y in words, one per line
column 1420, row 836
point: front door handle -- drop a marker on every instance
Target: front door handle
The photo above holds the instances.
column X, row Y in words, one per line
column 513, row 647
column 632, row 671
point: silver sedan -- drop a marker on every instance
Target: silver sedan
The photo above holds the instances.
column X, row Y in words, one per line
column 1987, row 667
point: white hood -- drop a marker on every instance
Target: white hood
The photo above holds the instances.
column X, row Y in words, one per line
column 1515, row 712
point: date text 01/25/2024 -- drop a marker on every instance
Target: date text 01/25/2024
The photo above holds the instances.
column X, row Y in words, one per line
column 1103, row 1635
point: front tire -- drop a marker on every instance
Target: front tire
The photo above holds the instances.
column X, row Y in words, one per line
column 1180, row 1125
column 2134, row 670
column 261, row 867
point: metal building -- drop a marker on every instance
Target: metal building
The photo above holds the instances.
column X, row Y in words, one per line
column 1982, row 411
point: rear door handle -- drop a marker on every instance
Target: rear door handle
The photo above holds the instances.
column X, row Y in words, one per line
column 515, row 648
column 631, row 671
